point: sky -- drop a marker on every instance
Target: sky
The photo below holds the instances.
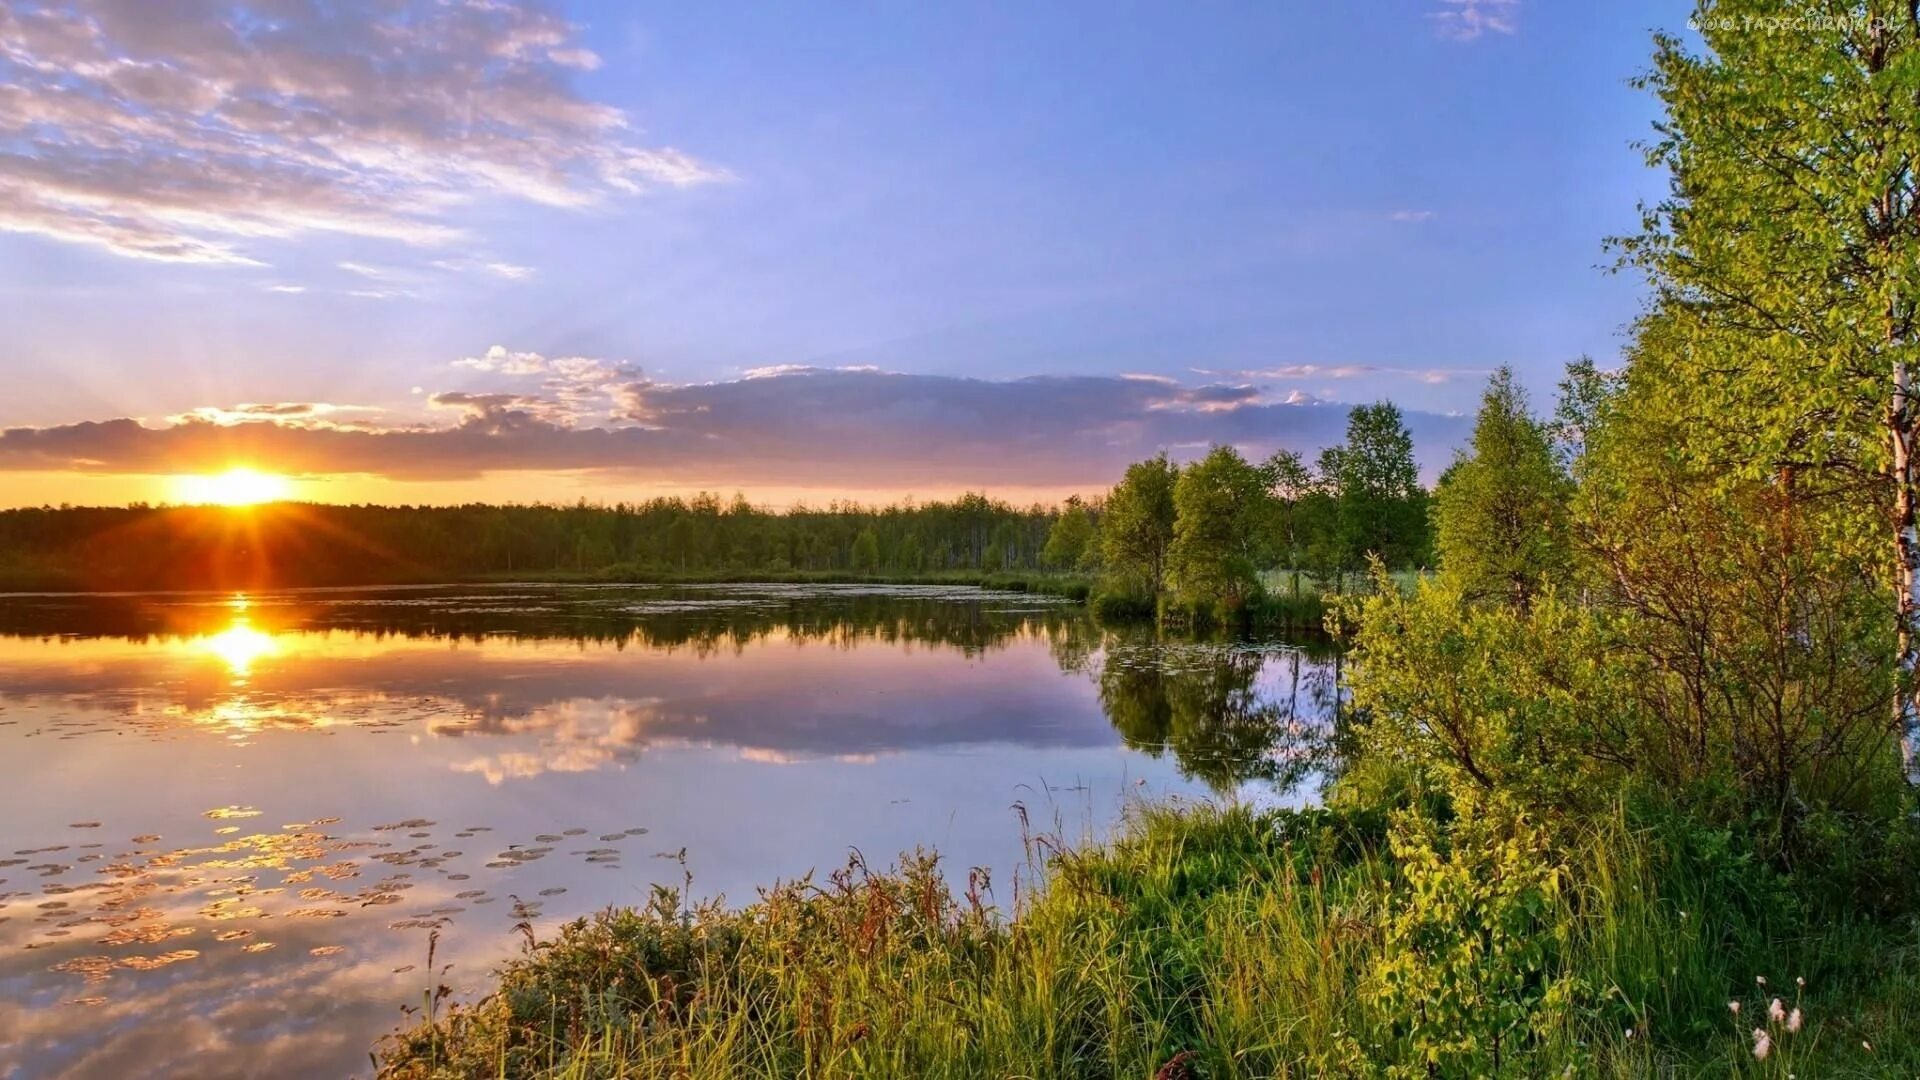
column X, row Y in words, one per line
column 447, row 250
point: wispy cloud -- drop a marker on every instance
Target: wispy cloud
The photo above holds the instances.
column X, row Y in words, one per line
column 508, row 271
column 190, row 131
column 296, row 414
column 1411, row 217
column 1294, row 372
column 1468, row 20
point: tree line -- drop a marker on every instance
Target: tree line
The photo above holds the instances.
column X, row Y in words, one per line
column 1202, row 533
column 1201, row 536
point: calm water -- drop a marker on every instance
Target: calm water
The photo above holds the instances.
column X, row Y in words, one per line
column 228, row 824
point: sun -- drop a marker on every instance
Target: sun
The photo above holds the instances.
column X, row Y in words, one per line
column 235, row 487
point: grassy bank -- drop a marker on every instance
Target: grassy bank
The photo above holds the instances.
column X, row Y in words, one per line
column 1207, row 943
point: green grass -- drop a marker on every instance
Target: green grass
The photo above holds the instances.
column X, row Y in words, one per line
column 1200, row 942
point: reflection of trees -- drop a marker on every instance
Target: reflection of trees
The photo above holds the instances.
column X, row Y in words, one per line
column 1207, row 705
column 1229, row 712
column 702, row 621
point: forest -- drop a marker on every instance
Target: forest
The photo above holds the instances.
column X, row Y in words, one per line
column 1204, row 533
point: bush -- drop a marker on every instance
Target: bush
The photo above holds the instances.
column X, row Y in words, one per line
column 1117, row 607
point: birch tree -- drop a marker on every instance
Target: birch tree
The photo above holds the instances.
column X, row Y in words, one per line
column 1786, row 265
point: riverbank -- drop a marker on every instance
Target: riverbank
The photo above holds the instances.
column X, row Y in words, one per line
column 1205, row 942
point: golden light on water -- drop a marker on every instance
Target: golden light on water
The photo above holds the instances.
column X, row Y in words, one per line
column 236, row 487
column 239, row 646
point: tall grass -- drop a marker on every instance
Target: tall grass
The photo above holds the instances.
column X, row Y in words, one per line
column 1200, row 942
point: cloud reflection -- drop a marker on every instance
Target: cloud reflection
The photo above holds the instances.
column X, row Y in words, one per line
column 284, row 945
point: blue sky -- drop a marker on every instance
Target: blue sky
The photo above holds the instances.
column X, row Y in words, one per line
column 1326, row 202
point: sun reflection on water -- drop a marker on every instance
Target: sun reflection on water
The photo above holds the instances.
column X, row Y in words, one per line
column 240, row 646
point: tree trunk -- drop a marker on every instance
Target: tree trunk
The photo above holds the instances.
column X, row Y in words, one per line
column 1907, row 552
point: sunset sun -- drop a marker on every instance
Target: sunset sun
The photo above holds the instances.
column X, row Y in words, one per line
column 235, row 487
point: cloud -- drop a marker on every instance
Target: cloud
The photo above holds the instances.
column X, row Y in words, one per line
column 579, row 385
column 1411, row 217
column 1289, row 372
column 1467, row 20
column 291, row 413
column 819, row 427
column 506, row 270
column 186, row 131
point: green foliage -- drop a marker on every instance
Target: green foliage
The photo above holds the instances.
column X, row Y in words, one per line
column 1468, row 980
column 1781, row 344
column 866, row 552
column 1221, row 511
column 1290, row 526
column 1071, row 538
column 1242, row 944
column 1527, row 703
column 1500, row 513
column 1784, row 258
column 1377, row 506
column 1211, row 529
column 1137, row 528
column 292, row 544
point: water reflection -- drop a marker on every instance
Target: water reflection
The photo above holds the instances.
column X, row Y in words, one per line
column 238, row 646
column 223, row 829
column 1228, row 713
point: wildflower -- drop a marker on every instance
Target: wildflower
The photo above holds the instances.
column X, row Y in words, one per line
column 1800, row 981
column 1867, row 1046
column 1733, row 1007
column 1762, row 1044
column 1759, row 980
column 1629, row 1033
column 1794, row 1020
column 1776, row 1012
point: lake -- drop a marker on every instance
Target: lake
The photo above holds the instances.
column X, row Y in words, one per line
column 230, row 824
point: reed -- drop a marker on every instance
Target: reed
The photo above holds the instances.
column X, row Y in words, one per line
column 1201, row 941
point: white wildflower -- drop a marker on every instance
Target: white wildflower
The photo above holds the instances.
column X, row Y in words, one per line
column 1762, row 1044
column 1794, row 1020
column 1776, row 1012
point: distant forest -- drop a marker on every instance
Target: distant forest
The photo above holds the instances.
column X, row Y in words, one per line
column 1214, row 531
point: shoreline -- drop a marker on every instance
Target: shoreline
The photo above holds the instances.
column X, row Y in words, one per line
column 1199, row 941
